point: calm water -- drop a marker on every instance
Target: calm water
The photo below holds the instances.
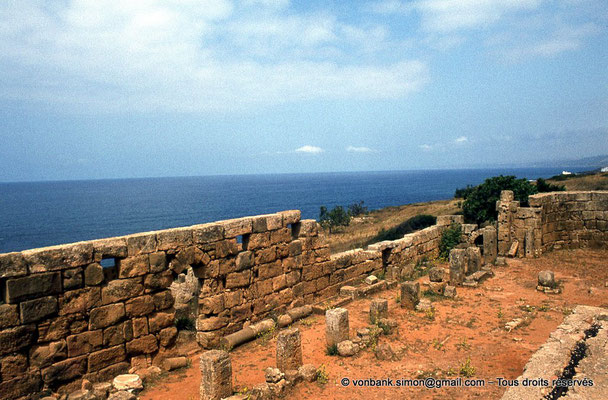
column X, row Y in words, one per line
column 36, row 214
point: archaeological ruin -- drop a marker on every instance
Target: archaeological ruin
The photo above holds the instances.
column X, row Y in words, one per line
column 97, row 309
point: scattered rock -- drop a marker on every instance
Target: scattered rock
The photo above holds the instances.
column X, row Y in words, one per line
column 349, row 291
column 292, row 376
column 86, row 385
column 436, row 274
column 308, row 372
column 82, row 395
column 363, row 332
column 260, row 392
column 387, row 325
column 513, row 249
column 149, row 372
column 169, row 364
column 450, row 291
column 284, row 320
column 437, row 287
column 501, row 261
column 102, row 389
column 517, row 322
column 370, row 280
column 131, row 382
column 546, row 278
column 273, row 375
column 347, row 348
column 122, row 395
column 424, row 305
column 384, row 352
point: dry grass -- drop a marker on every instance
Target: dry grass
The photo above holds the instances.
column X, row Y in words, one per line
column 598, row 181
column 362, row 229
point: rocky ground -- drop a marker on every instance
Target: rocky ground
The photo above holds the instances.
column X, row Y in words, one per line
column 465, row 336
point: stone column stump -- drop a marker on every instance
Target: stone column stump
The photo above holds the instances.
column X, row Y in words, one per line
column 378, row 309
column 216, row 375
column 336, row 326
column 410, row 295
column 458, row 261
column 289, row 350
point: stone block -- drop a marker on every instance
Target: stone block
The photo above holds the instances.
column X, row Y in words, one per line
column 13, row 366
column 103, row 358
column 143, row 345
column 19, row 289
column 105, row 316
column 171, row 239
column 226, row 248
column 158, row 281
column 163, row 300
column 121, row 289
column 458, row 262
column 210, row 324
column 118, row 334
column 378, row 309
column 157, row 261
column 37, row 309
column 236, row 227
column 139, row 306
column 140, row 327
column 20, row 387
column 64, row 371
column 244, row 260
column 160, row 320
column 9, row 315
column 72, row 278
column 134, row 266
column 45, row 355
column 290, row 216
column 289, row 349
column 167, row 336
column 61, row 257
column 216, row 375
column 12, row 265
column 336, row 326
column 93, row 274
column 410, row 295
column 84, row 343
column 79, row 301
column 14, row 339
column 238, row 279
column 473, row 260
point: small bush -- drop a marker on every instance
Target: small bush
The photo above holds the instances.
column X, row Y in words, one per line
column 356, row 209
column 463, row 193
column 450, row 238
column 334, row 218
column 322, row 375
column 185, row 324
column 466, row 369
column 411, row 225
column 332, row 350
column 543, row 186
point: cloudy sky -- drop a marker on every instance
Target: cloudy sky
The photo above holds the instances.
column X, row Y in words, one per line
column 109, row 89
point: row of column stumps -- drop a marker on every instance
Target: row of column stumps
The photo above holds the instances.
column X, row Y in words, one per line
column 216, row 366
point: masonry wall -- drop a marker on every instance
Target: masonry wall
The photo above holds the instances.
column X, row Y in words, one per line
column 554, row 220
column 91, row 309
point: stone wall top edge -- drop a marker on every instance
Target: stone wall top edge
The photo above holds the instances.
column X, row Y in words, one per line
column 86, row 244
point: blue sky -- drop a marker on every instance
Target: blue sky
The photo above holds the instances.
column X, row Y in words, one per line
column 114, row 89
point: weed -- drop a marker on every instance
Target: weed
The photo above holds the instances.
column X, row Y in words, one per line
column 185, row 324
column 471, row 323
column 544, row 308
column 500, row 314
column 466, row 369
column 386, row 329
column 430, row 314
column 266, row 336
column 380, row 275
column 566, row 311
column 398, row 299
column 463, row 345
column 450, row 372
column 332, row 350
column 374, row 332
column 434, row 296
column 307, row 321
column 437, row 345
column 322, row 375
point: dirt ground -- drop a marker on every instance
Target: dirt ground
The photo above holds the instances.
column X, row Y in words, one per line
column 469, row 327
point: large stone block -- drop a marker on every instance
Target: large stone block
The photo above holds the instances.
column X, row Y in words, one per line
column 9, row 315
column 208, row 233
column 143, row 345
column 134, row 266
column 160, row 320
column 141, row 243
column 64, row 371
column 236, row 227
column 378, row 309
column 111, row 247
column 139, row 306
column 20, row 387
column 37, row 309
column 102, row 317
column 14, row 339
column 157, row 261
column 244, row 260
column 43, row 356
column 121, row 289
column 103, row 358
column 13, row 366
column 238, row 279
column 473, row 256
column 336, row 326
column 79, row 301
column 56, row 258
column 410, row 295
column 458, row 260
column 171, row 239
column 216, row 375
column 210, row 324
column 118, row 334
column 12, row 265
column 158, row 281
column 93, row 274
column 289, row 350
column 72, row 278
column 84, row 343
column 163, row 300
column 18, row 289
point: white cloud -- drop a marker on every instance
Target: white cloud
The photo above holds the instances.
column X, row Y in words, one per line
column 426, row 147
column 190, row 56
column 461, row 139
column 363, row 149
column 309, row 149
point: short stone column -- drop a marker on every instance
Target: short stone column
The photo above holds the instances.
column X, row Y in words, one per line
column 336, row 326
column 458, row 261
column 289, row 350
column 378, row 309
column 410, row 295
column 216, row 375
column 490, row 245
column 473, row 260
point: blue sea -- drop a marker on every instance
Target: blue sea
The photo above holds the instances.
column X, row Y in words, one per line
column 36, row 214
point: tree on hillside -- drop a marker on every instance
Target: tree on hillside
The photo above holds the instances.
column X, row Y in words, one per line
column 544, row 186
column 480, row 203
column 334, row 218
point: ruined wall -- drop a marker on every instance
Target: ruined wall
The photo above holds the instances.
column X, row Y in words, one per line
column 554, row 220
column 92, row 309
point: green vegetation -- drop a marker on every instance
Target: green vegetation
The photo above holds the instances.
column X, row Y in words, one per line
column 463, row 193
column 334, row 218
column 356, row 209
column 332, row 350
column 544, row 186
column 466, row 369
column 413, row 224
column 450, row 238
column 480, row 202
column 322, row 375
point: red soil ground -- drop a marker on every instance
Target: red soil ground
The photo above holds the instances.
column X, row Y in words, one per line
column 469, row 327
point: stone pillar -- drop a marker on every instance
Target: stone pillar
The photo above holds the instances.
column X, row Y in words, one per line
column 506, row 208
column 410, row 295
column 289, row 350
column 336, row 326
column 378, row 309
column 457, row 266
column 490, row 245
column 216, row 375
column 473, row 260
column 529, row 249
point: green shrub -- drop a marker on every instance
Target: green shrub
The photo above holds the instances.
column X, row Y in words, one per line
column 411, row 225
column 463, row 193
column 356, row 209
column 334, row 218
column 543, row 186
column 450, row 238
column 480, row 204
column 332, row 350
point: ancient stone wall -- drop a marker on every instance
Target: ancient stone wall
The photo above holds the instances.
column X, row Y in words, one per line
column 554, row 220
column 93, row 309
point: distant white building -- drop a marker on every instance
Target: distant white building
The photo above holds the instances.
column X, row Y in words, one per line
column 566, row 173
column 605, row 169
